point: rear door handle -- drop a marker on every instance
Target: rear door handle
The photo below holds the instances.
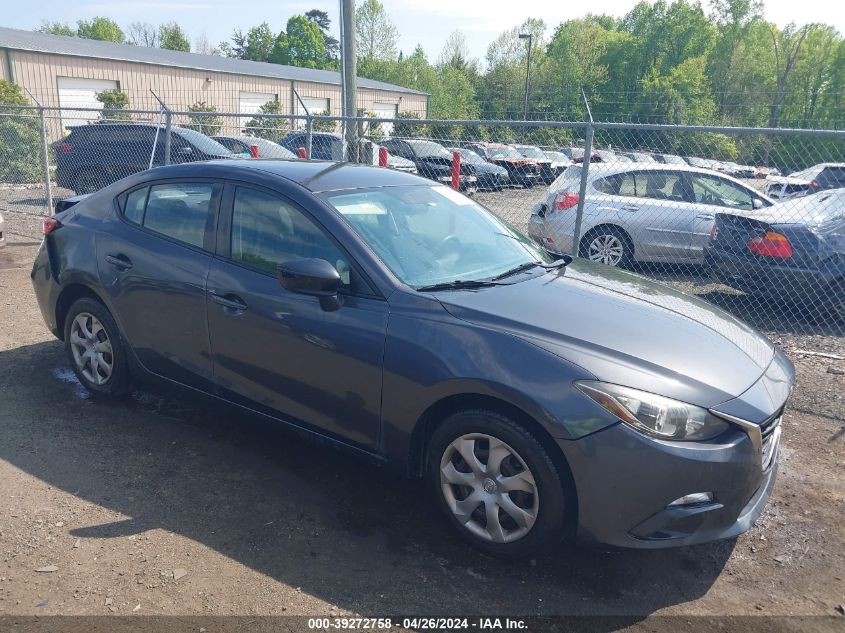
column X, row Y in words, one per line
column 119, row 261
column 631, row 207
column 705, row 216
column 229, row 301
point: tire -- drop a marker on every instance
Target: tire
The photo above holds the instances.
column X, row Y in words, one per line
column 96, row 350
column 607, row 245
column 529, row 520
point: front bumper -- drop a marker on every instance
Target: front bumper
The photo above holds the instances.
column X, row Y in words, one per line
column 625, row 484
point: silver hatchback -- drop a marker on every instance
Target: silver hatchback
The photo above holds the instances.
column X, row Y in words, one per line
column 636, row 212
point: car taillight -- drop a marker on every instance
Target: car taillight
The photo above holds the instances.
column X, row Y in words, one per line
column 814, row 185
column 713, row 232
column 771, row 244
column 63, row 148
column 49, row 225
column 566, row 201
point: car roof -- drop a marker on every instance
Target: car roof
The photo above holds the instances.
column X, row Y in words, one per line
column 610, row 169
column 314, row 175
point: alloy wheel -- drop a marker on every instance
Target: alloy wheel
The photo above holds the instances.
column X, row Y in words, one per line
column 92, row 349
column 489, row 488
column 607, row 249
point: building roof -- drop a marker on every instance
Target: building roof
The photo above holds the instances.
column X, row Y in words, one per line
column 35, row 41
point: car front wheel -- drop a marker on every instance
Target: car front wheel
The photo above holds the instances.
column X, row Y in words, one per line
column 497, row 485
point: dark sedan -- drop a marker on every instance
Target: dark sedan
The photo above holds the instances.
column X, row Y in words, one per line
column 793, row 251
column 433, row 161
column 490, row 177
column 403, row 321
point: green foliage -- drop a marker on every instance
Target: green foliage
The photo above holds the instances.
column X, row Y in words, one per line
column 172, row 37
column 266, row 127
column 301, row 44
column 377, row 38
column 114, row 101
column 20, row 138
column 100, row 28
column 406, row 127
column 255, row 45
column 204, row 120
column 324, row 125
column 57, row 28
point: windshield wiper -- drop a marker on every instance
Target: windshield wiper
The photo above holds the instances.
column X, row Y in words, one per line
column 459, row 284
column 558, row 263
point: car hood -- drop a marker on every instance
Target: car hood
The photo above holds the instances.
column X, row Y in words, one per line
column 488, row 168
column 625, row 329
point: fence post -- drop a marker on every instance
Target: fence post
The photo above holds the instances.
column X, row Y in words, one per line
column 582, row 190
column 45, row 160
column 168, row 128
column 309, row 135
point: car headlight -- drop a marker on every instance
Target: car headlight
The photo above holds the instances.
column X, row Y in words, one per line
column 655, row 415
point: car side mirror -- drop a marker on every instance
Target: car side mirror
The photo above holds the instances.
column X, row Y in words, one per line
column 312, row 276
column 758, row 204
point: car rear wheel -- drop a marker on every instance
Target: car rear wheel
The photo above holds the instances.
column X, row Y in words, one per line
column 607, row 245
column 96, row 349
column 496, row 484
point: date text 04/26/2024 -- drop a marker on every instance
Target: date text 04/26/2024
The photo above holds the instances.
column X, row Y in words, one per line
column 419, row 623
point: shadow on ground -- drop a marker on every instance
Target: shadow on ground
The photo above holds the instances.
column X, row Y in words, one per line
column 344, row 531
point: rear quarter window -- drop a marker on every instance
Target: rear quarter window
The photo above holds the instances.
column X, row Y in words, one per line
column 134, row 204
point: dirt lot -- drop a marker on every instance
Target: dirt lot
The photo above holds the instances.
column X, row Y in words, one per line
column 160, row 506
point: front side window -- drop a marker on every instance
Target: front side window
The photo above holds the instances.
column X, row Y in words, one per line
column 720, row 193
column 181, row 211
column 268, row 231
column 431, row 235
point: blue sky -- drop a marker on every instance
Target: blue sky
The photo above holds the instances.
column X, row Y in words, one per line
column 427, row 22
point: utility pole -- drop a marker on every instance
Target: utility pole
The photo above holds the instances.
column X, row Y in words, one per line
column 350, row 73
column 530, row 38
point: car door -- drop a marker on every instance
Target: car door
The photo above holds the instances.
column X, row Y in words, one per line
column 652, row 206
column 712, row 194
column 280, row 352
column 153, row 259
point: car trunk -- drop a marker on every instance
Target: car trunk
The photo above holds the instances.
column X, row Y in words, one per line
column 734, row 232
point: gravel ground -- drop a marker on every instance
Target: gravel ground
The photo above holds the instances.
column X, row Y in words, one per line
column 160, row 506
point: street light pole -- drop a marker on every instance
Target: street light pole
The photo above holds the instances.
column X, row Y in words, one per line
column 530, row 38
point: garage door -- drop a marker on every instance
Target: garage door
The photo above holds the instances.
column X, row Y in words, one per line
column 385, row 111
column 251, row 102
column 78, row 92
column 315, row 105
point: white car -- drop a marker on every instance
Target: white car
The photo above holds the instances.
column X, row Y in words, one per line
column 811, row 180
column 2, row 233
column 637, row 212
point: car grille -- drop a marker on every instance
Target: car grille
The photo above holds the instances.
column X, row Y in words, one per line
column 770, row 431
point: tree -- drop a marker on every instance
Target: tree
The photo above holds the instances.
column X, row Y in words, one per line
column 271, row 128
column 787, row 46
column 455, row 53
column 256, row 45
column 324, row 125
column 142, row 34
column 302, row 44
column 114, row 101
column 21, row 138
column 57, row 28
column 321, row 19
column 203, row 120
column 100, row 28
column 172, row 37
column 377, row 36
column 202, row 45
column 405, row 127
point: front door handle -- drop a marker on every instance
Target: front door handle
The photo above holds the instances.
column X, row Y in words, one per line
column 119, row 261
column 631, row 207
column 705, row 216
column 229, row 301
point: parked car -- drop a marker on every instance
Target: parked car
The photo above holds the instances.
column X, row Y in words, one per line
column 576, row 154
column 398, row 319
column 609, row 156
column 559, row 160
column 669, row 159
column 2, row 231
column 521, row 170
column 793, row 251
column 807, row 181
column 547, row 172
column 639, row 213
column 638, row 157
column 490, row 177
column 401, row 164
column 432, row 160
column 324, row 145
column 93, row 156
column 739, row 171
column 266, row 148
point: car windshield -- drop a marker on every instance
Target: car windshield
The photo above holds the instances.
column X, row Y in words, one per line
column 203, row 143
column 558, row 156
column 468, row 156
column 504, row 152
column 807, row 174
column 433, row 235
column 532, row 152
column 429, row 149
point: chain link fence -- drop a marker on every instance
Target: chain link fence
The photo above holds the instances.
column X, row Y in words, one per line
column 752, row 220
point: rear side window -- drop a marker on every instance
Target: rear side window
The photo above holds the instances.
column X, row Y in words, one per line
column 181, row 211
column 832, row 177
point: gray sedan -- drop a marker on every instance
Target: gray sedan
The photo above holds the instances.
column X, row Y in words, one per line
column 639, row 212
